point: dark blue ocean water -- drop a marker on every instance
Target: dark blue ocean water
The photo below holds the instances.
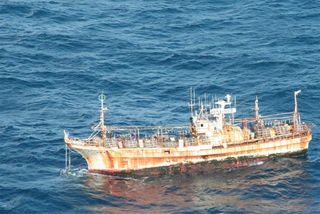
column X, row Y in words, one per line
column 57, row 56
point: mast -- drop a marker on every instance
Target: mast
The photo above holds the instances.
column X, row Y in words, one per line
column 256, row 109
column 103, row 128
column 296, row 116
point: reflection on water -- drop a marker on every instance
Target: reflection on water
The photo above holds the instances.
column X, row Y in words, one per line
column 269, row 187
column 133, row 195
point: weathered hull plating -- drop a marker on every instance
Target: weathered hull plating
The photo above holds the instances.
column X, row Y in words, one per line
column 157, row 160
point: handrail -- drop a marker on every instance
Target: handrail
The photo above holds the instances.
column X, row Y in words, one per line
column 153, row 127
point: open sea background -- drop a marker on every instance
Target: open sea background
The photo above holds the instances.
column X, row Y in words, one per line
column 57, row 56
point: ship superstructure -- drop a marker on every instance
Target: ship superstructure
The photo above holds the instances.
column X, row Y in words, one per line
column 214, row 136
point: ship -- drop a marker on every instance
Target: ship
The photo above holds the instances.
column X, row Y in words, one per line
column 214, row 138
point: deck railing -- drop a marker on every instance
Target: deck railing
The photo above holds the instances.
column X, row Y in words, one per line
column 185, row 140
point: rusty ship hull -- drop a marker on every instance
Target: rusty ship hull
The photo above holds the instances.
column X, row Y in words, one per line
column 146, row 161
column 213, row 139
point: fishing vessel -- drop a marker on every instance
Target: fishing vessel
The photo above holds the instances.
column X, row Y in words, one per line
column 214, row 138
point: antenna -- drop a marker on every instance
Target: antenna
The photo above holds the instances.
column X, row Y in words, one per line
column 212, row 102
column 194, row 99
column 205, row 101
column 232, row 106
column 191, row 104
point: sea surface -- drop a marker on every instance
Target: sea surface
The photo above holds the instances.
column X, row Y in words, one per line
column 57, row 56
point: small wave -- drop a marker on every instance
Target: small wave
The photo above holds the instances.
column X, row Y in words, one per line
column 74, row 172
column 10, row 204
column 15, row 8
column 39, row 13
column 189, row 65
